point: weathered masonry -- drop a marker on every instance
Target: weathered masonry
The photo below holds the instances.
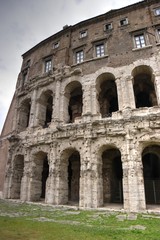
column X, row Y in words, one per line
column 84, row 123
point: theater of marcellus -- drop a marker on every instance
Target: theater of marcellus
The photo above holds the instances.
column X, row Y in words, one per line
column 83, row 128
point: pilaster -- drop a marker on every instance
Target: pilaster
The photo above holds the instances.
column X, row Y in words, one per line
column 157, row 87
column 32, row 118
column 57, row 110
column 52, row 181
column 25, row 182
column 133, row 185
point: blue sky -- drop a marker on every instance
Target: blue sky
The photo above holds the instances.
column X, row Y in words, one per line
column 23, row 24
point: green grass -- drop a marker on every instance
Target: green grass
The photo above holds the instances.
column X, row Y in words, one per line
column 36, row 222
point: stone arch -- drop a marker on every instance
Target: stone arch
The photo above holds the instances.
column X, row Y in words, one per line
column 70, row 176
column 151, row 173
column 144, row 86
column 73, row 101
column 40, row 172
column 107, row 94
column 45, row 108
column 112, row 174
column 17, row 174
column 24, row 114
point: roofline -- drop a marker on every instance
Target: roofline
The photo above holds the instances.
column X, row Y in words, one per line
column 108, row 14
column 47, row 39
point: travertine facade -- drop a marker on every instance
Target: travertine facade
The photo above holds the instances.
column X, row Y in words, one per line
column 84, row 124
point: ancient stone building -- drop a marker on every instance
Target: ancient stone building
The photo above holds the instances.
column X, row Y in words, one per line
column 84, row 124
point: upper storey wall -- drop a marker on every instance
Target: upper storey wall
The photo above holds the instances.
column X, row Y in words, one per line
column 119, row 41
column 36, row 59
column 79, row 44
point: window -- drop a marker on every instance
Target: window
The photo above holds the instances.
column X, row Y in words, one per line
column 56, row 45
column 124, row 21
column 25, row 71
column 28, row 63
column 157, row 11
column 108, row 27
column 79, row 56
column 48, row 65
column 83, row 34
column 100, row 50
column 25, row 76
column 140, row 40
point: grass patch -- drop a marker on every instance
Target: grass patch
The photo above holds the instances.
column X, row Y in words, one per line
column 36, row 222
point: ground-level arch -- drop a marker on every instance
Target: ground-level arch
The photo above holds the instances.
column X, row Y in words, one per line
column 70, row 176
column 151, row 173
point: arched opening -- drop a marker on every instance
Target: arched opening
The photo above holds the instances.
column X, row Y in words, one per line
column 74, row 100
column 45, row 109
column 73, row 177
column 18, row 170
column 143, row 85
column 108, row 99
column 70, row 177
column 40, row 172
column 45, row 173
column 112, row 176
column 151, row 173
column 24, row 115
column 75, row 104
column 48, row 111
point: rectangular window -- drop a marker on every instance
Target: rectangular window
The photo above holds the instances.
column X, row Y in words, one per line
column 157, row 11
column 79, row 56
column 25, row 76
column 124, row 21
column 48, row 65
column 28, row 63
column 56, row 45
column 100, row 50
column 140, row 40
column 108, row 27
column 83, row 34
